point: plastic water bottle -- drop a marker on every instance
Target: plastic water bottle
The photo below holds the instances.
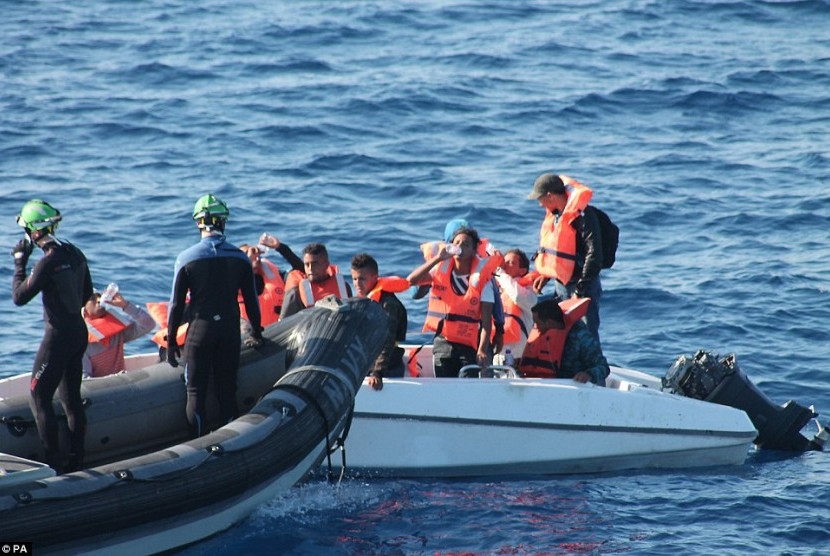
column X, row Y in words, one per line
column 509, row 360
column 109, row 293
column 453, row 249
column 263, row 238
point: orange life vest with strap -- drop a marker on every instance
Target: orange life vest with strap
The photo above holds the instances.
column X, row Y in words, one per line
column 543, row 352
column 557, row 245
column 392, row 284
column 270, row 300
column 310, row 292
column 106, row 359
column 515, row 328
column 158, row 310
column 457, row 318
column 101, row 329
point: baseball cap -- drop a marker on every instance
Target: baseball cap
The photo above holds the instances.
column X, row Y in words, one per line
column 547, row 183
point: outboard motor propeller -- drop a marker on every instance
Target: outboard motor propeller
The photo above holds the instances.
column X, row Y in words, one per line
column 704, row 377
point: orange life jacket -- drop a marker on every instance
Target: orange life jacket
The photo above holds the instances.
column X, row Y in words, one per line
column 310, row 292
column 557, row 245
column 515, row 328
column 158, row 311
column 109, row 358
column 392, row 284
column 270, row 300
column 457, row 318
column 101, row 329
column 543, row 352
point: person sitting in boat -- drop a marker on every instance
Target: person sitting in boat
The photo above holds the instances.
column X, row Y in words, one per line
column 460, row 303
column 109, row 331
column 321, row 278
column 570, row 247
column 270, row 281
column 484, row 250
column 515, row 283
column 382, row 289
column 561, row 346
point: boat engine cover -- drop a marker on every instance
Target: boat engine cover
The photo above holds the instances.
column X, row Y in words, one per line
column 706, row 377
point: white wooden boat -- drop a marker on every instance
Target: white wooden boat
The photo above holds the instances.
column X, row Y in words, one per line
column 458, row 427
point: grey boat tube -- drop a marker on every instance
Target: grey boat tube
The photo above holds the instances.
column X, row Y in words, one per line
column 188, row 491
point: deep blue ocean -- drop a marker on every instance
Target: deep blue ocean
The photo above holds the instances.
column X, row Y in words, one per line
column 702, row 126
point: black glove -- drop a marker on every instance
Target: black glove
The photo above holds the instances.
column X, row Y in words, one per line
column 173, row 353
column 23, row 249
column 254, row 340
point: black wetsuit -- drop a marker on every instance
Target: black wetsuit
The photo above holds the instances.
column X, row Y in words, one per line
column 214, row 272
column 62, row 276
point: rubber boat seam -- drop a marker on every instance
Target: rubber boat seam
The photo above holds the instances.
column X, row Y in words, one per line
column 336, row 373
column 575, row 427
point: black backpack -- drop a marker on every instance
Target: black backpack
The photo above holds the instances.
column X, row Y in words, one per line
column 610, row 234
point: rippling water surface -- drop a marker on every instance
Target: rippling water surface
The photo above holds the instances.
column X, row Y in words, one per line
column 701, row 125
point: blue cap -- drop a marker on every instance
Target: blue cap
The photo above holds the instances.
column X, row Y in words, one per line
column 452, row 226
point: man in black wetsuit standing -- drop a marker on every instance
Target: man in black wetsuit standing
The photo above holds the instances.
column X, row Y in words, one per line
column 214, row 272
column 62, row 276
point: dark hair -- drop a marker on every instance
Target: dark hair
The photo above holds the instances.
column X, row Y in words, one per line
column 467, row 231
column 364, row 260
column 524, row 262
column 549, row 309
column 315, row 249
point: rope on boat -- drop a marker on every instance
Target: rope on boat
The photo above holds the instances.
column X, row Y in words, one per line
column 339, row 443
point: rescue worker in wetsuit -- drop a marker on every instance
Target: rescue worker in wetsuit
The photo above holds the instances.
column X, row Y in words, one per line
column 62, row 276
column 382, row 289
column 214, row 272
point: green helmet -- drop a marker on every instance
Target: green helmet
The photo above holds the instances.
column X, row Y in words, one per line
column 38, row 215
column 210, row 207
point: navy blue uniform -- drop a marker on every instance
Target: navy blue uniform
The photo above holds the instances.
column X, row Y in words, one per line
column 62, row 276
column 214, row 272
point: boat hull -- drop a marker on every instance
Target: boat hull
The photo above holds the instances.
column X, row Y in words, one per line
column 163, row 499
column 427, row 427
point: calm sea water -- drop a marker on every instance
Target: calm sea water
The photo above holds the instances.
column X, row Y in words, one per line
column 701, row 125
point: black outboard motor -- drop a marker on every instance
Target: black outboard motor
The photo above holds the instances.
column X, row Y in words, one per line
column 704, row 377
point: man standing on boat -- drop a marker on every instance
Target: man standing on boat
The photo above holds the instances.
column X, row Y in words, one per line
column 214, row 272
column 62, row 276
column 382, row 290
column 321, row 278
column 570, row 246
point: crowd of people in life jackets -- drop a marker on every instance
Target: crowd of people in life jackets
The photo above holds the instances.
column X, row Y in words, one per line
column 482, row 303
